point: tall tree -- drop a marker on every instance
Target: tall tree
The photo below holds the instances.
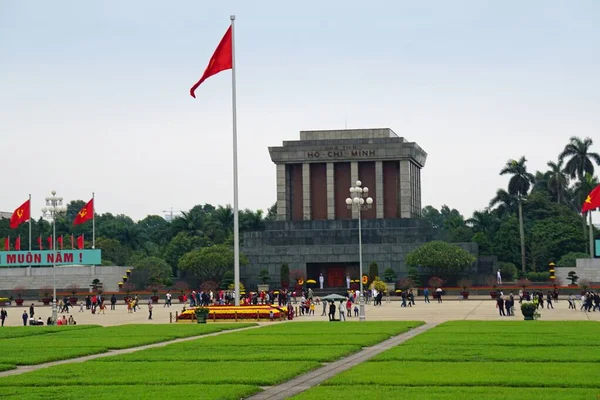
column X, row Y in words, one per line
column 504, row 202
column 581, row 159
column 557, row 179
column 518, row 186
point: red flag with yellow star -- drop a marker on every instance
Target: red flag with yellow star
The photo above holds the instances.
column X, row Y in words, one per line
column 592, row 201
column 85, row 214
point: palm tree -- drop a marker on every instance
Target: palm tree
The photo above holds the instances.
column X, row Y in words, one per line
column 484, row 222
column 580, row 191
column 518, row 186
column 506, row 203
column 557, row 179
column 581, row 160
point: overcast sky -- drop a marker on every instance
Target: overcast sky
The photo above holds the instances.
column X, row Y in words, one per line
column 94, row 95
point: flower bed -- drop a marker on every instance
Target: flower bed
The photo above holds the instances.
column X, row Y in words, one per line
column 233, row 312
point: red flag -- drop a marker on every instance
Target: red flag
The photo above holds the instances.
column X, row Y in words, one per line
column 72, row 241
column 49, row 240
column 85, row 214
column 221, row 60
column 592, row 201
column 18, row 243
column 80, row 242
column 40, row 243
column 20, row 215
column 7, row 244
column 60, row 241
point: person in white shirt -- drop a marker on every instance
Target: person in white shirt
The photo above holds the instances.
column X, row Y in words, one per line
column 498, row 278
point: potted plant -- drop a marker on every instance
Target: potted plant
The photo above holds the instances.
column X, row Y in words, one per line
column 465, row 284
column 389, row 276
column 73, row 289
column 18, row 291
column 285, row 276
column 182, row 287
column 45, row 292
column 435, row 282
column 128, row 272
column 572, row 276
column 265, row 279
column 491, row 281
column 153, row 287
column 201, row 314
column 405, row 284
column 529, row 310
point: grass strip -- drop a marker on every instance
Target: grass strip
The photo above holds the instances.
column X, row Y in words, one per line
column 263, row 373
column 128, row 392
column 504, row 337
column 24, row 355
column 391, row 328
column 242, row 339
column 503, row 353
column 6, row 367
column 539, row 327
column 417, row 373
column 8, row 332
column 444, row 393
column 198, row 352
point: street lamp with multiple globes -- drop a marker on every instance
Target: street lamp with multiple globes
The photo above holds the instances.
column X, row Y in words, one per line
column 359, row 199
column 54, row 207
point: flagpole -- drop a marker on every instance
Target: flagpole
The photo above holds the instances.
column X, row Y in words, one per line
column 236, row 222
column 93, row 221
column 591, row 235
column 30, row 222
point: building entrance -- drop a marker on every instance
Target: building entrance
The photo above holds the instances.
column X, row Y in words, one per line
column 333, row 273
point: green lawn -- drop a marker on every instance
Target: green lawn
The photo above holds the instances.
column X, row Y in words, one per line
column 6, row 367
column 129, row 392
column 76, row 342
column 234, row 365
column 8, row 332
column 190, row 351
column 445, row 393
column 480, row 360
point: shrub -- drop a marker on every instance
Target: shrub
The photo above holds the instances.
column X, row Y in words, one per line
column 523, row 282
column 373, row 271
column 572, row 276
column 264, row 276
column 231, row 287
column 413, row 274
column 465, row 283
column 527, row 307
column 435, row 282
column 508, row 270
column 18, row 291
column 584, row 283
column 538, row 276
column 207, row 286
column 568, row 260
column 181, row 287
column 378, row 285
column 406, row 283
column 285, row 274
column 389, row 275
column 228, row 278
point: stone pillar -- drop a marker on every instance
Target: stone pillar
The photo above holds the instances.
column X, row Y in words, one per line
column 405, row 194
column 378, row 189
column 353, row 178
column 282, row 196
column 330, row 192
column 306, row 191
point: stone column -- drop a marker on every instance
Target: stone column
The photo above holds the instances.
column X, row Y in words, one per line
column 330, row 192
column 282, row 197
column 306, row 191
column 353, row 178
column 405, row 194
column 378, row 189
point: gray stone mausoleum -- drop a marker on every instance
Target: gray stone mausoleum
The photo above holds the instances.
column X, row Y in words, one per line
column 315, row 232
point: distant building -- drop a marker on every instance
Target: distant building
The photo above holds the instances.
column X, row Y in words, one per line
column 4, row 214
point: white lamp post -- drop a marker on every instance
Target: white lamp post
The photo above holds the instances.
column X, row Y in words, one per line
column 54, row 207
column 359, row 198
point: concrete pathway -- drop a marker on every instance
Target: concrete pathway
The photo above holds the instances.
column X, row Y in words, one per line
column 21, row 369
column 313, row 378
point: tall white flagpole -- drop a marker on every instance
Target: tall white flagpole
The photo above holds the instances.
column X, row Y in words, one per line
column 591, row 236
column 236, row 222
column 30, row 222
column 93, row 220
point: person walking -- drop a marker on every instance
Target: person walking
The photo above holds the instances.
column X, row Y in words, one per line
column 324, row 309
column 438, row 293
column 3, row 315
column 342, row 316
column 168, row 299
column 113, row 301
column 31, row 310
column 150, row 310
column 549, row 300
column 25, row 317
column 332, row 311
column 500, row 305
column 426, row 294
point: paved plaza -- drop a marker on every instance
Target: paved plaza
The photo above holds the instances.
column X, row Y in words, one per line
column 479, row 308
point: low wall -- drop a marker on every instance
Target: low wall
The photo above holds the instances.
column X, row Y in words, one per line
column 80, row 275
column 587, row 268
